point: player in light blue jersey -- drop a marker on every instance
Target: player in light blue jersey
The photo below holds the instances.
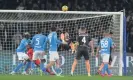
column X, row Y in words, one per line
column 21, row 49
column 39, row 46
column 38, row 43
column 53, row 42
column 104, row 46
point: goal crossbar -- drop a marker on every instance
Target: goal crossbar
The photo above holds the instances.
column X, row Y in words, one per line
column 62, row 12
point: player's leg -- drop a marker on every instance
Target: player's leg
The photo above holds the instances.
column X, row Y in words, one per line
column 42, row 60
column 53, row 58
column 101, row 66
column 109, row 65
column 21, row 62
column 110, row 61
column 78, row 56
column 74, row 66
column 28, row 63
column 106, row 61
column 86, row 56
column 34, row 58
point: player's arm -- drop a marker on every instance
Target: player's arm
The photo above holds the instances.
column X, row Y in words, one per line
column 91, row 44
column 32, row 42
column 98, row 48
column 45, row 43
column 112, row 43
column 58, row 41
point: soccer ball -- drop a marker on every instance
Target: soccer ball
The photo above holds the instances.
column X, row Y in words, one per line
column 64, row 8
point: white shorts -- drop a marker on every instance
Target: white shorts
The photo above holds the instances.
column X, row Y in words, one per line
column 54, row 55
column 105, row 57
column 38, row 55
column 22, row 56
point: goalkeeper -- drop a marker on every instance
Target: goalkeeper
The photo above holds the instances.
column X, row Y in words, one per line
column 82, row 49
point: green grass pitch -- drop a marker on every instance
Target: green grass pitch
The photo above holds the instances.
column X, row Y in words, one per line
column 32, row 77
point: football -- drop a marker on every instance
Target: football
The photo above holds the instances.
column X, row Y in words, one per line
column 64, row 8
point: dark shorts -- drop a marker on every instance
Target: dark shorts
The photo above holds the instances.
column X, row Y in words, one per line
column 82, row 51
column 110, row 59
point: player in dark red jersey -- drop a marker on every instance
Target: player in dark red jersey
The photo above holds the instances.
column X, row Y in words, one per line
column 37, row 62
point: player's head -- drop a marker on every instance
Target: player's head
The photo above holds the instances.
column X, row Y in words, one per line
column 82, row 29
column 28, row 46
column 53, row 29
column 27, row 35
column 111, row 33
column 106, row 33
column 39, row 30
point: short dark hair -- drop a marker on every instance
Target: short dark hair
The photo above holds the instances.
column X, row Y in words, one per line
column 39, row 30
column 27, row 35
column 53, row 28
column 111, row 32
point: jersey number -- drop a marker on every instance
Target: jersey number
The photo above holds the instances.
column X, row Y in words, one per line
column 84, row 40
column 37, row 40
column 104, row 44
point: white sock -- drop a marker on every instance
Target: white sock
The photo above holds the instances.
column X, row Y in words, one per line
column 71, row 72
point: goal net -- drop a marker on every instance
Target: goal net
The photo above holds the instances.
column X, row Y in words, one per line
column 13, row 23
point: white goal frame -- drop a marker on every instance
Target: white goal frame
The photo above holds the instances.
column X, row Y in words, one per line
column 81, row 12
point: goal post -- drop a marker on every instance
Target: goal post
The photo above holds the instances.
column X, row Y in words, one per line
column 13, row 23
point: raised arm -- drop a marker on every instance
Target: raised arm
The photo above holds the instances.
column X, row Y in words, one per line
column 91, row 44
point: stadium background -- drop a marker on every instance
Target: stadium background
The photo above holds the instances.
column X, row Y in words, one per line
column 85, row 5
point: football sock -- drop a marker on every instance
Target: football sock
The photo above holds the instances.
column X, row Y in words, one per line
column 108, row 71
column 71, row 72
column 27, row 66
column 32, row 65
column 104, row 69
column 19, row 66
column 42, row 67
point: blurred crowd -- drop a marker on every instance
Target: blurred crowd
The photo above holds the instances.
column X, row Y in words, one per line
column 78, row 5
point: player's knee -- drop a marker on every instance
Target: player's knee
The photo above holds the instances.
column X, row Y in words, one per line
column 75, row 61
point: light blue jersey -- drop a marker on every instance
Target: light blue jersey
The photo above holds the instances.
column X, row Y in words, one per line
column 53, row 41
column 105, row 44
column 22, row 47
column 39, row 42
